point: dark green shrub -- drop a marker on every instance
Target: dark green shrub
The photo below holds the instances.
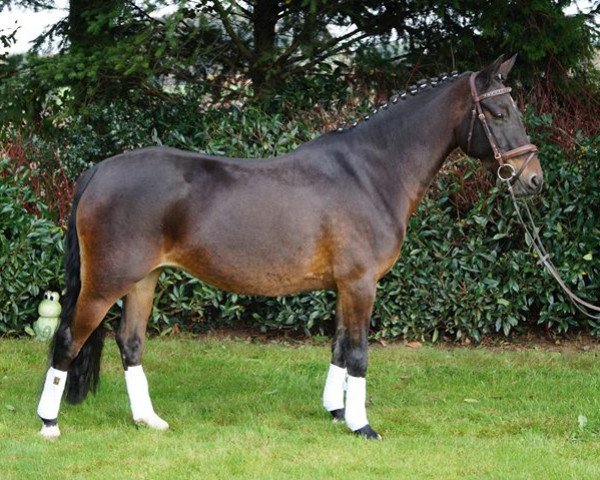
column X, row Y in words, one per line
column 465, row 269
column 30, row 251
column 474, row 274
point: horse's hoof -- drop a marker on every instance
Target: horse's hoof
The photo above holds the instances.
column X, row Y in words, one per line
column 51, row 432
column 367, row 432
column 152, row 421
column 337, row 416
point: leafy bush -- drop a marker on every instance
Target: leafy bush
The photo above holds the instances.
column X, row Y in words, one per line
column 30, row 251
column 465, row 269
column 473, row 274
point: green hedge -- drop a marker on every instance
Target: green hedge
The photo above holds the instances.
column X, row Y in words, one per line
column 465, row 270
column 473, row 274
column 31, row 251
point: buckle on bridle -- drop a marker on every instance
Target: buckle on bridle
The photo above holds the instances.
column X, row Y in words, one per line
column 511, row 172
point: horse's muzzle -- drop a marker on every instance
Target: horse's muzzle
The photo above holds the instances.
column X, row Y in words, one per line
column 529, row 184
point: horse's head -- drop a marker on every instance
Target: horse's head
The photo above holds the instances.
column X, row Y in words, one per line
column 493, row 130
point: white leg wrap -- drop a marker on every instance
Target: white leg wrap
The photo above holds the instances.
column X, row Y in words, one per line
column 54, row 386
column 356, row 397
column 139, row 399
column 333, row 394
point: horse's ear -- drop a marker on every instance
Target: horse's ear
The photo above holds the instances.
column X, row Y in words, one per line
column 507, row 66
column 487, row 74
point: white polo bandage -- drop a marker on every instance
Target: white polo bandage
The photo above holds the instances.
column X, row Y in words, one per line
column 333, row 394
column 356, row 397
column 54, row 386
column 139, row 396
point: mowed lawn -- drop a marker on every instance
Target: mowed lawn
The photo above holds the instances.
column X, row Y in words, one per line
column 247, row 410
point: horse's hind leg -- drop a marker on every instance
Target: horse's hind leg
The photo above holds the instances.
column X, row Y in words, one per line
column 130, row 338
column 76, row 339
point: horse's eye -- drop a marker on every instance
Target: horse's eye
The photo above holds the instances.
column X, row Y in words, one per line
column 499, row 115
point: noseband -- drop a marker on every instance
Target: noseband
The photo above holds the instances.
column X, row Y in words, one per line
column 506, row 171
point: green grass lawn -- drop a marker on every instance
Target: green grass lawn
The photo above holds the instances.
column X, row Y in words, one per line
column 244, row 410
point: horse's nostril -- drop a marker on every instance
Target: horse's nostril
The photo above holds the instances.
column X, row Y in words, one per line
column 536, row 182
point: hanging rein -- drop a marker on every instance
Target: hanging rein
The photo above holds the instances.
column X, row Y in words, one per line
column 508, row 175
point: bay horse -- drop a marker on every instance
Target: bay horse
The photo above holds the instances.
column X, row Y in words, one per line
column 331, row 214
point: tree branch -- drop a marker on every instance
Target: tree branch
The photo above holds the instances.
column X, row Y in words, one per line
column 131, row 4
column 297, row 40
column 245, row 51
column 247, row 13
column 336, row 40
column 327, row 53
column 324, row 52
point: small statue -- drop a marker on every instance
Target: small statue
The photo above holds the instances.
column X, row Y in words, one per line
column 49, row 311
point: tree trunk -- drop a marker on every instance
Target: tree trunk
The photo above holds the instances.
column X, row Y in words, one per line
column 264, row 21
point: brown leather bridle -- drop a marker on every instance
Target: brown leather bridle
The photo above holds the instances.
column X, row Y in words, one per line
column 510, row 175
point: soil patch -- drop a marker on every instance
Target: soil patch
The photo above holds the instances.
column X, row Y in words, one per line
column 574, row 342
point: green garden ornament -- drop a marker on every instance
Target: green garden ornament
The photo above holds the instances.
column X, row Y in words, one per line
column 49, row 311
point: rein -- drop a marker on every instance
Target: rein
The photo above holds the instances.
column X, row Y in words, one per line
column 508, row 175
column 539, row 248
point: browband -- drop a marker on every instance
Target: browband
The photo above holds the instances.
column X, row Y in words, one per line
column 493, row 93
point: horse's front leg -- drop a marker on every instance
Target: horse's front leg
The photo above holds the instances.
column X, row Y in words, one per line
column 333, row 394
column 355, row 301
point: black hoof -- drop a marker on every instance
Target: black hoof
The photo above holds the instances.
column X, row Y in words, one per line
column 367, row 432
column 337, row 415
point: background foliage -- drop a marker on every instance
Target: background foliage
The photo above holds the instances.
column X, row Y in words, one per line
column 258, row 78
column 30, row 250
column 465, row 270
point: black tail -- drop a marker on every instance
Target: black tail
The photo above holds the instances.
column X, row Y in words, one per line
column 84, row 370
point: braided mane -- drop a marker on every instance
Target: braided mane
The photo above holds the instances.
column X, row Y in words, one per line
column 412, row 91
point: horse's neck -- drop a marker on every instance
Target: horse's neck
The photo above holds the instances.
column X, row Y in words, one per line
column 419, row 142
